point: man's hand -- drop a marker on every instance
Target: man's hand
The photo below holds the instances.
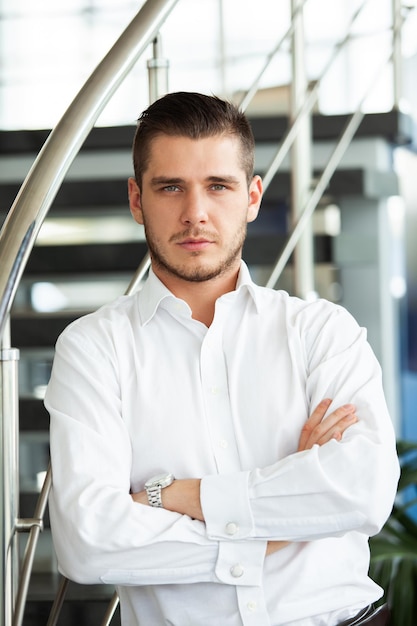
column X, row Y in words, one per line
column 317, row 430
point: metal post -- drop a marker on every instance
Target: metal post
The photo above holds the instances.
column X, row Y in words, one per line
column 222, row 50
column 303, row 278
column 396, row 52
column 158, row 86
column 10, row 476
column 157, row 72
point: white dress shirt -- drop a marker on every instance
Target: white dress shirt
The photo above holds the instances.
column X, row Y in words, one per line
column 139, row 388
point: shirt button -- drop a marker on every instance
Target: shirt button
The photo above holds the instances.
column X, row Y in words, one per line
column 232, row 528
column 214, row 391
column 252, row 606
column 237, row 570
column 223, row 443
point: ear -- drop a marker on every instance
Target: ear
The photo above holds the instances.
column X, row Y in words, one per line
column 255, row 197
column 135, row 200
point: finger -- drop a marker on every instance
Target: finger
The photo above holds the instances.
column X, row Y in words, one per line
column 334, row 419
column 322, row 432
column 336, row 416
column 337, row 431
column 313, row 421
column 331, row 421
column 274, row 546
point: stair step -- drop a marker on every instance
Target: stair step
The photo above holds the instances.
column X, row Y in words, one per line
column 85, row 258
column 32, row 415
column 344, row 182
column 27, row 504
column 31, row 141
column 83, row 613
column 126, row 257
column 394, row 125
column 84, row 605
column 92, row 196
column 39, row 330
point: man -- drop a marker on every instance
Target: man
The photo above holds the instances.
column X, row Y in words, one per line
column 208, row 378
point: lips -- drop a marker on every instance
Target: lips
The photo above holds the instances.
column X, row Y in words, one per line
column 194, row 244
column 193, row 240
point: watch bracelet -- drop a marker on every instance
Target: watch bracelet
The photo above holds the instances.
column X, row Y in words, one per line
column 154, row 496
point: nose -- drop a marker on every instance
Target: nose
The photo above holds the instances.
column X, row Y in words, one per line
column 194, row 209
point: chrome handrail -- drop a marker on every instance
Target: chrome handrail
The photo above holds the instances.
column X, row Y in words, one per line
column 334, row 160
column 36, row 195
column 59, row 597
column 308, row 104
column 35, row 526
column 22, row 224
column 249, row 94
column 158, row 84
column 314, row 199
column 9, row 472
column 111, row 609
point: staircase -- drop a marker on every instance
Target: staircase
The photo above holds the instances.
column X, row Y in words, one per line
column 95, row 265
column 89, row 248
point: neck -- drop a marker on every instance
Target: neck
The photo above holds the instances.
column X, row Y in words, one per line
column 200, row 296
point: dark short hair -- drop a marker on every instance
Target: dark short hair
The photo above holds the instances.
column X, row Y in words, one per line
column 192, row 115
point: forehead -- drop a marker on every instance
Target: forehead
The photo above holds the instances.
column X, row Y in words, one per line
column 176, row 153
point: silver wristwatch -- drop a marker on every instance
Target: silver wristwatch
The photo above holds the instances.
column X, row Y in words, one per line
column 154, row 485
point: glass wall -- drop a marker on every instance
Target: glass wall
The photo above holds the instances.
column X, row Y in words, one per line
column 48, row 49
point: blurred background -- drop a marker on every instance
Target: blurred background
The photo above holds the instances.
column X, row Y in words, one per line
column 359, row 249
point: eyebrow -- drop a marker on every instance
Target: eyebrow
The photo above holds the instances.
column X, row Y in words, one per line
column 224, row 179
column 167, row 180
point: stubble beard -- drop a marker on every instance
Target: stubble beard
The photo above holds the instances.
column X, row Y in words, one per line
column 198, row 272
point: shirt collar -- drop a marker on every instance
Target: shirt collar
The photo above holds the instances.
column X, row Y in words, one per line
column 154, row 292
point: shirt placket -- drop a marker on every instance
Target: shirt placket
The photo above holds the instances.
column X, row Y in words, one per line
column 217, row 405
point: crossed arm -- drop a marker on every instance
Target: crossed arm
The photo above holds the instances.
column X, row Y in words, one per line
column 183, row 496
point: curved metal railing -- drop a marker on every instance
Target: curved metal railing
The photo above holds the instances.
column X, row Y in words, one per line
column 35, row 197
column 22, row 225
column 26, row 216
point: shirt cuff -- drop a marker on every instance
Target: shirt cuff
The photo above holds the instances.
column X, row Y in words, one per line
column 225, row 504
column 241, row 563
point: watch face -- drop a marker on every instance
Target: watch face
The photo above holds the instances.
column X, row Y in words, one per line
column 164, row 480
